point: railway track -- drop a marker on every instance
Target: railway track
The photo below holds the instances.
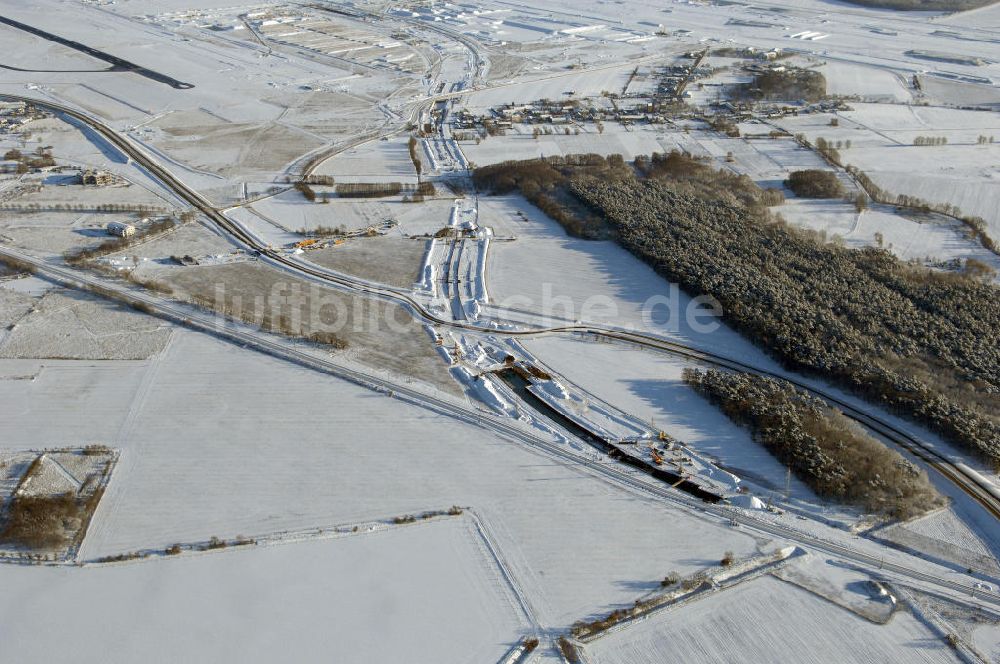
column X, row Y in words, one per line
column 969, row 482
column 612, row 472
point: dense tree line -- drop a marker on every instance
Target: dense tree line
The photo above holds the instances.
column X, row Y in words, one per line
column 828, row 149
column 413, row 146
column 697, row 177
column 930, row 140
column 822, row 447
column 545, row 182
column 361, row 189
column 46, row 521
column 42, row 158
column 368, row 189
column 39, row 522
column 924, row 344
column 306, row 190
column 322, row 180
column 83, row 207
column 815, row 183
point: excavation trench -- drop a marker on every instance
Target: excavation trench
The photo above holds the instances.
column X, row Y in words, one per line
column 519, row 382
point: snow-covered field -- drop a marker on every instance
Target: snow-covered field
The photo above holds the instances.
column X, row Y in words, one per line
column 962, row 173
column 73, row 325
column 946, row 527
column 547, row 275
column 217, row 440
column 391, row 260
column 959, row 93
column 248, row 459
column 519, row 143
column 648, row 386
column 376, row 161
column 922, row 238
column 584, row 84
column 417, row 593
column 869, row 83
column 946, row 535
column 770, row 621
column 291, row 213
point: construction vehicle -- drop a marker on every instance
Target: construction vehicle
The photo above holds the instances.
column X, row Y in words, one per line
column 304, row 243
column 657, row 459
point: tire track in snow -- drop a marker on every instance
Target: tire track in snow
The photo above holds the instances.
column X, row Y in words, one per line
column 494, row 551
column 128, row 456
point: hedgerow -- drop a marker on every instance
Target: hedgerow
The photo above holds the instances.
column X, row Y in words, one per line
column 822, row 447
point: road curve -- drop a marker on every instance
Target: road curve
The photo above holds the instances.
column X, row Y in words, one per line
column 972, row 484
column 194, row 318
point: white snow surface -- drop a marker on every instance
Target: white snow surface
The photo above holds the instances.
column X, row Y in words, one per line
column 210, row 447
column 426, row 592
column 648, row 386
column 767, row 620
column 547, row 277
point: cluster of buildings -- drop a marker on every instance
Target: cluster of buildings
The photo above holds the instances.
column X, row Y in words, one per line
column 544, row 112
column 656, row 104
column 737, row 111
column 631, row 107
column 13, row 114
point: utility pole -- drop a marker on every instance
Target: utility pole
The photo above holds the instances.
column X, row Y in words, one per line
column 788, row 483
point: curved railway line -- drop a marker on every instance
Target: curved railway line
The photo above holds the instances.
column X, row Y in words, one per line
column 971, row 483
column 612, row 472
